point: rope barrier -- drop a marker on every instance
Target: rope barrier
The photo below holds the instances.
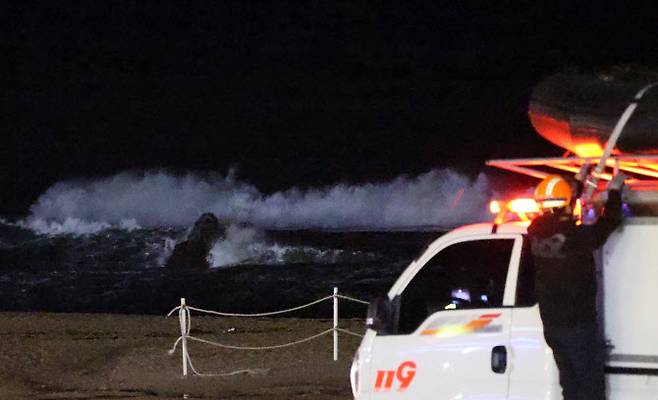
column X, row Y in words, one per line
column 265, row 314
column 172, row 311
column 340, row 296
column 248, row 371
column 278, row 346
column 349, row 332
column 225, row 374
column 185, row 322
column 225, row 314
column 226, row 346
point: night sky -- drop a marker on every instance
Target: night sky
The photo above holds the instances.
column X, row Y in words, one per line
column 304, row 93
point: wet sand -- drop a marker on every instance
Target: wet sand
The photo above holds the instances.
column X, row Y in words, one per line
column 108, row 356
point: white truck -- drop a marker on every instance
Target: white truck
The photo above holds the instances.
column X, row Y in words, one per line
column 461, row 322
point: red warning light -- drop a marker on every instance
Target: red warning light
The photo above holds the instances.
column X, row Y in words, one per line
column 521, row 209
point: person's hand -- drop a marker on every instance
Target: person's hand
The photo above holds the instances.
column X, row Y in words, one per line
column 617, row 182
column 582, row 174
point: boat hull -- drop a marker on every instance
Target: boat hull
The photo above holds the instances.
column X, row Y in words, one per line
column 579, row 111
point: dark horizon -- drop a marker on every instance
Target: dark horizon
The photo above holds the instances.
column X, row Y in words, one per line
column 290, row 94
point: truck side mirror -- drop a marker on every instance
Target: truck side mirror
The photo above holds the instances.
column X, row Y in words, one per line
column 380, row 315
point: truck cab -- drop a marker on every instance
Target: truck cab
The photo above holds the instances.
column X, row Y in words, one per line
column 461, row 322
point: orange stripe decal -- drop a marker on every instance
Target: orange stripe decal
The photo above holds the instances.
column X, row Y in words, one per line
column 459, row 329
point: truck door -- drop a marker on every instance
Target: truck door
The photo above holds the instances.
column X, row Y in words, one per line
column 452, row 337
column 533, row 373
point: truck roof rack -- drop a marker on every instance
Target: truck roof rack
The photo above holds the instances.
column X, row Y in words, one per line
column 641, row 189
column 642, row 169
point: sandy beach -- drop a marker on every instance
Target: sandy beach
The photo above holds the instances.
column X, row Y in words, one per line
column 108, row 356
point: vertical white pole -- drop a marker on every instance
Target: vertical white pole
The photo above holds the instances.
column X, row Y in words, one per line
column 335, row 324
column 182, row 313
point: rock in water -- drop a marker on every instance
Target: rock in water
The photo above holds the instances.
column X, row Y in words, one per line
column 193, row 252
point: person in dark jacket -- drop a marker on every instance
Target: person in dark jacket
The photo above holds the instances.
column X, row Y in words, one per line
column 565, row 284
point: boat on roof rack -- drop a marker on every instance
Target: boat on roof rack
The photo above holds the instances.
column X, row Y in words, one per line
column 578, row 111
column 575, row 112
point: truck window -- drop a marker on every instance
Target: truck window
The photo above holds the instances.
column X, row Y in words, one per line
column 464, row 275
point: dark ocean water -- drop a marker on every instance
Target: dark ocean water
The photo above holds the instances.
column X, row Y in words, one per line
column 121, row 270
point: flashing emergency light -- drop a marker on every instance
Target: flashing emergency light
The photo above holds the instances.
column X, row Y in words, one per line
column 522, row 209
column 494, row 207
column 525, row 206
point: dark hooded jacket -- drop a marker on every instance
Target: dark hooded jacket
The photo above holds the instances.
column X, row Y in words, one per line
column 565, row 278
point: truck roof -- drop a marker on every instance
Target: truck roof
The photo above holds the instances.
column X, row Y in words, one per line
column 486, row 228
column 519, row 227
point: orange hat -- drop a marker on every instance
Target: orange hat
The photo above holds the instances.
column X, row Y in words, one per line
column 553, row 192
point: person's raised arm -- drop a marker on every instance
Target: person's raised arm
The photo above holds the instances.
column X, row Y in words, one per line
column 597, row 234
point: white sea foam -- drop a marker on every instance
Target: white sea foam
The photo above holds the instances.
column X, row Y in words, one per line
column 166, row 251
column 249, row 245
column 68, row 225
column 238, row 246
column 74, row 226
column 156, row 198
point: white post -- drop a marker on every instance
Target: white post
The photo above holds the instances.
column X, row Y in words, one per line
column 335, row 324
column 182, row 316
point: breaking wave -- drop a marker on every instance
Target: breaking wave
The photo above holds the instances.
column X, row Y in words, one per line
column 156, row 198
column 250, row 245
